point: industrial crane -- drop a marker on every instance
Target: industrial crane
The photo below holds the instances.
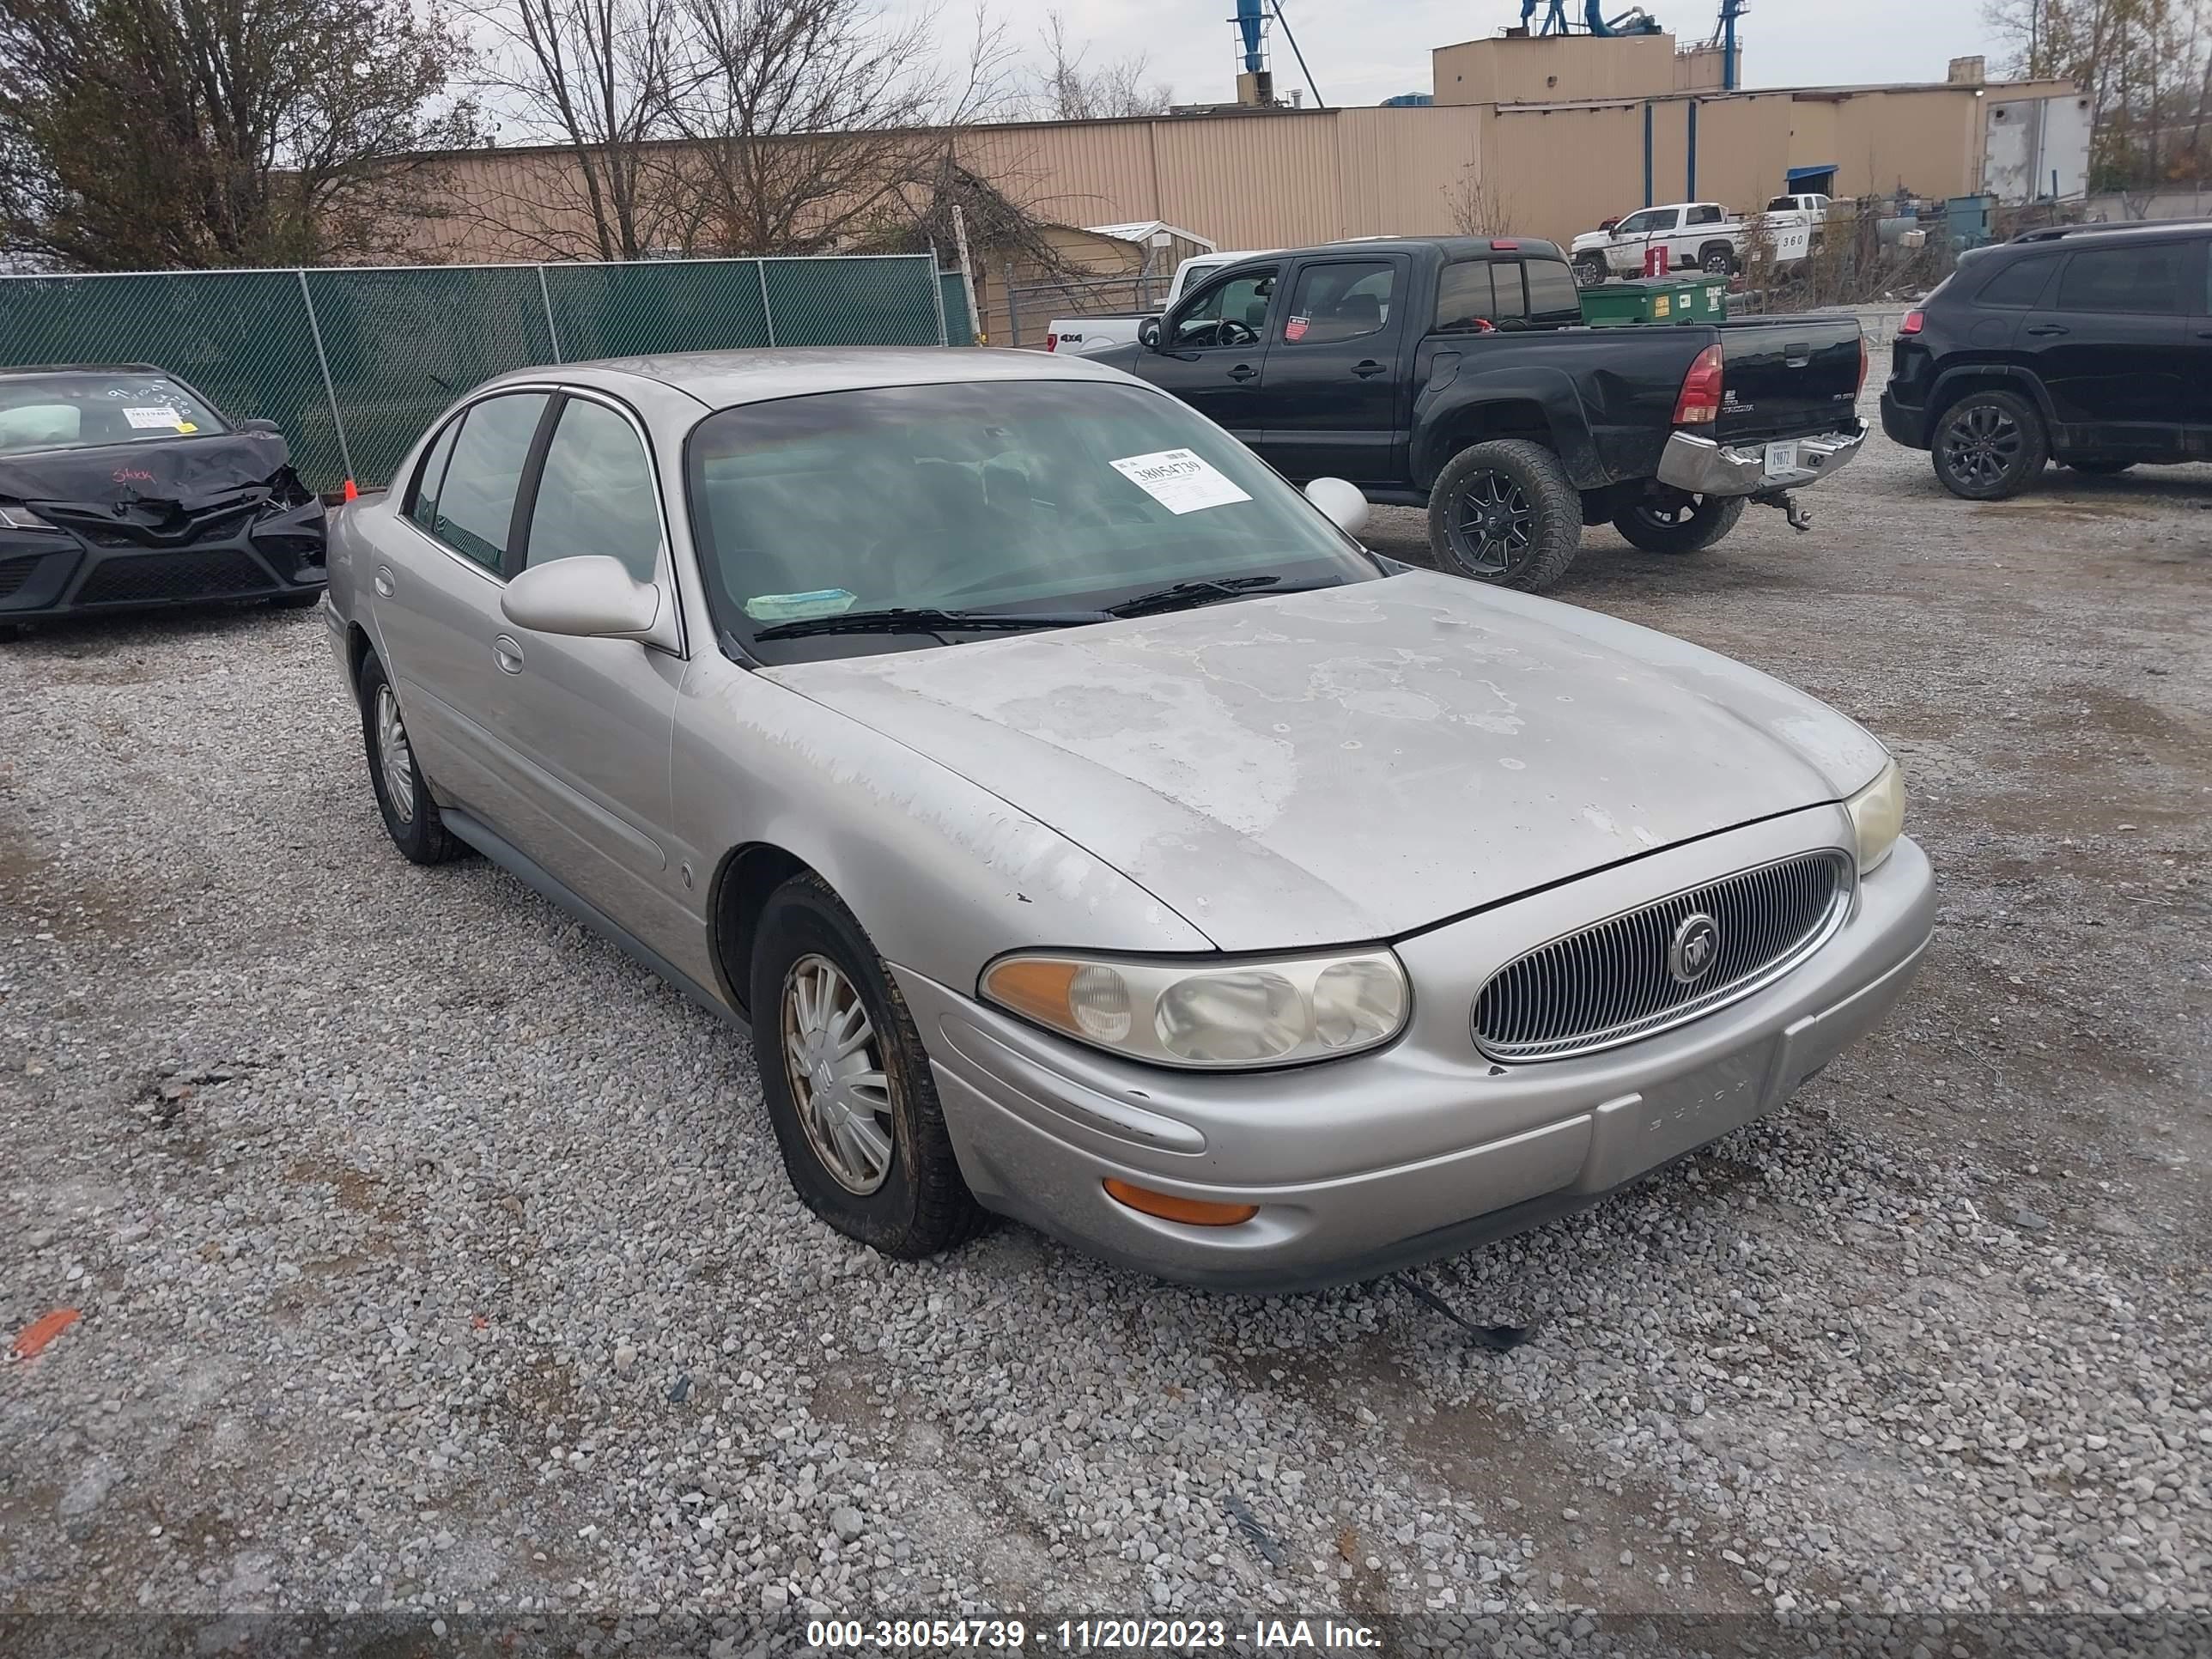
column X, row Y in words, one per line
column 1637, row 21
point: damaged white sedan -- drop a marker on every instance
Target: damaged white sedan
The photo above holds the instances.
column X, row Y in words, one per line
column 1088, row 829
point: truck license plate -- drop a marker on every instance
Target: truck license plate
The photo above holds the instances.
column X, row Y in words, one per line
column 1781, row 458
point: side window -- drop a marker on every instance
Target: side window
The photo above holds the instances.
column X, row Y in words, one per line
column 1340, row 301
column 1552, row 295
column 1636, row 223
column 422, row 504
column 476, row 507
column 595, row 495
column 2132, row 279
column 2019, row 285
column 1463, row 295
column 1229, row 313
column 1705, row 215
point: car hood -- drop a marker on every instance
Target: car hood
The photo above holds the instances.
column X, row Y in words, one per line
column 1358, row 762
column 190, row 473
column 1590, row 239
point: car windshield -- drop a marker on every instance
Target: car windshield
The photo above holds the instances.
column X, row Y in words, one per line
column 1002, row 496
column 85, row 409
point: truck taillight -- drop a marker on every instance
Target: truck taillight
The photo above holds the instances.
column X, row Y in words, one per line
column 1052, row 343
column 1700, row 402
column 1862, row 361
column 1913, row 323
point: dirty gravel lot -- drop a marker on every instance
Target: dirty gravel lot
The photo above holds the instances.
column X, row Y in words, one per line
column 430, row 1255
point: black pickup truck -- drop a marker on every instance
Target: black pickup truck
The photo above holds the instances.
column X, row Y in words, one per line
column 1454, row 372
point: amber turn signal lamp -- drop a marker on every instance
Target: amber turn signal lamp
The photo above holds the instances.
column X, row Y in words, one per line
column 1038, row 989
column 1191, row 1212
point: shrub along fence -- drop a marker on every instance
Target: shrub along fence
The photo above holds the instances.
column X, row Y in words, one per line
column 353, row 362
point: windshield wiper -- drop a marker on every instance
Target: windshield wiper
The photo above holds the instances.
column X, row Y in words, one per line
column 1177, row 595
column 904, row 620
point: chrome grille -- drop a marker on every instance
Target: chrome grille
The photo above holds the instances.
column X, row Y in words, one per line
column 1610, row 982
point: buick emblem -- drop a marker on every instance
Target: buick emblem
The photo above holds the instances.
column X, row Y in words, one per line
column 1695, row 948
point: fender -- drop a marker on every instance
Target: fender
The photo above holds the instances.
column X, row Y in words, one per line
column 1447, row 396
column 2016, row 378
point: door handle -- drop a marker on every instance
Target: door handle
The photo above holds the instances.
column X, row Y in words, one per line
column 1243, row 372
column 1368, row 369
column 2049, row 328
column 509, row 653
column 382, row 582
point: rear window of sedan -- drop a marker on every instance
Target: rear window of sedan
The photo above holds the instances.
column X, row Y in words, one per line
column 1002, row 495
column 80, row 411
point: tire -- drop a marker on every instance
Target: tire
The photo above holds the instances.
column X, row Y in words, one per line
column 1690, row 524
column 1590, row 271
column 875, row 1162
column 412, row 822
column 2099, row 467
column 296, row 601
column 1505, row 512
column 1717, row 260
column 1989, row 445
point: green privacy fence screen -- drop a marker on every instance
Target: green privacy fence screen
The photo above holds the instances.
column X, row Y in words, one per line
column 354, row 363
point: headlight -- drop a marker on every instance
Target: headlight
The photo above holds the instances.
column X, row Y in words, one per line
column 15, row 516
column 1244, row 1013
column 1878, row 817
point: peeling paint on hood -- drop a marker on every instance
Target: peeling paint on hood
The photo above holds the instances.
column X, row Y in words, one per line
column 1356, row 763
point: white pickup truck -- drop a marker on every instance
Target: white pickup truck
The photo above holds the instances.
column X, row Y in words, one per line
column 1084, row 336
column 1696, row 235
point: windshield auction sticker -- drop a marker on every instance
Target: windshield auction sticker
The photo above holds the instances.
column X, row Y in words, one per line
column 143, row 420
column 1179, row 480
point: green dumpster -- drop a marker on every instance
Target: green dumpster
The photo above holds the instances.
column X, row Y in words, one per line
column 1694, row 298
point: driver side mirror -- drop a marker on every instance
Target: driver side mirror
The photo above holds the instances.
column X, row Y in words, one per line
column 269, row 426
column 1148, row 333
column 1340, row 503
column 588, row 598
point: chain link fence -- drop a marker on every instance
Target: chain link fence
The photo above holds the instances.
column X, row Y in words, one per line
column 353, row 363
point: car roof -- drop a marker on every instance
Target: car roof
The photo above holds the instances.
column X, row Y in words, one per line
column 26, row 369
column 721, row 380
column 2122, row 232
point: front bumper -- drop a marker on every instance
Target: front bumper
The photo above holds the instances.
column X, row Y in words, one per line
column 1376, row 1162
column 1704, row 467
column 78, row 572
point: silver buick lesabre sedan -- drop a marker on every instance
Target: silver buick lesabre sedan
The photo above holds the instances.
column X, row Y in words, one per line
column 1088, row 829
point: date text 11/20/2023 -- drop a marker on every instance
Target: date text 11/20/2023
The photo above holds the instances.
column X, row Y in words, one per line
column 1095, row 1635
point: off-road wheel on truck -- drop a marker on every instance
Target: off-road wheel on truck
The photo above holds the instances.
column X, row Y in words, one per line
column 1590, row 269
column 1675, row 521
column 1989, row 445
column 1717, row 259
column 848, row 1084
column 1505, row 512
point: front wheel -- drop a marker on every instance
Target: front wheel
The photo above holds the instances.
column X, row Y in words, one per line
column 1675, row 521
column 1989, row 445
column 848, row 1084
column 1590, row 270
column 1506, row 511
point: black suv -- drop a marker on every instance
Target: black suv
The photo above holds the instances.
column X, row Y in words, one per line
column 2091, row 345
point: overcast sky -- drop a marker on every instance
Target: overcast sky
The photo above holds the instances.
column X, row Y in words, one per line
column 1362, row 51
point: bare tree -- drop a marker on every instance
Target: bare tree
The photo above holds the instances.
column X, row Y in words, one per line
column 2145, row 67
column 596, row 82
column 1069, row 90
column 1479, row 206
column 803, row 120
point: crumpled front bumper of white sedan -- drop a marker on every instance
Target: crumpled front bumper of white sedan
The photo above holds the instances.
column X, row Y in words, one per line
column 1358, row 1166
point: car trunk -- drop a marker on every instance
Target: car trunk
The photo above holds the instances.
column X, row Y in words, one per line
column 1788, row 377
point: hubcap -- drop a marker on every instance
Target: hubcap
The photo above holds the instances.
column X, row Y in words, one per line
column 1493, row 525
column 1981, row 443
column 831, row 1058
column 1672, row 515
column 393, row 755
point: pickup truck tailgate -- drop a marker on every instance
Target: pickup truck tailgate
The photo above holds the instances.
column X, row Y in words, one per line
column 1788, row 377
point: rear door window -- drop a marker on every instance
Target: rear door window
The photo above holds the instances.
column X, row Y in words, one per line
column 2019, row 285
column 422, row 501
column 475, row 504
column 2145, row 281
column 1463, row 296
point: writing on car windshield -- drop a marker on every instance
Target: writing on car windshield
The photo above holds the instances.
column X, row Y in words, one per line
column 87, row 408
column 1009, row 497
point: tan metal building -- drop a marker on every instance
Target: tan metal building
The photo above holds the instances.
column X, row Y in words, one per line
column 1541, row 137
